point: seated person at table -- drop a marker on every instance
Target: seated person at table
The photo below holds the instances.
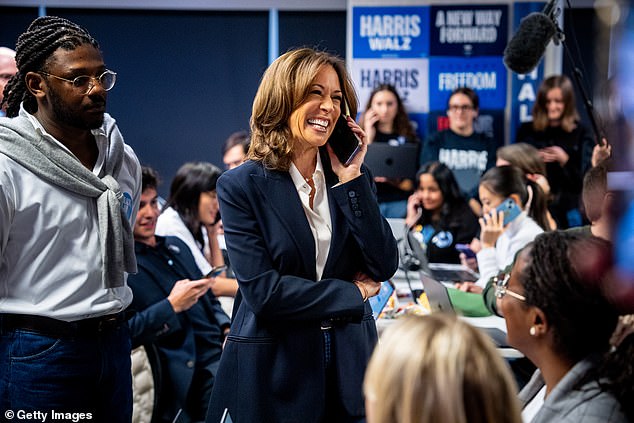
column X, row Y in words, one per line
column 192, row 214
column 499, row 242
column 175, row 311
column 437, row 368
column 597, row 201
column 466, row 152
column 527, row 158
column 440, row 214
column 385, row 120
column 565, row 144
column 557, row 315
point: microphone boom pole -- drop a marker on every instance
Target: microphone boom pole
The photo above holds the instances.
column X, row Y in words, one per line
column 577, row 75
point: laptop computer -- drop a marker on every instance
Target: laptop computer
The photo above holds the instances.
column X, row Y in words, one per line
column 440, row 302
column 446, row 272
column 392, row 161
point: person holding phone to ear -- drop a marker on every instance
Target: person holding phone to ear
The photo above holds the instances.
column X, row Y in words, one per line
column 385, row 120
column 513, row 214
column 308, row 246
column 439, row 212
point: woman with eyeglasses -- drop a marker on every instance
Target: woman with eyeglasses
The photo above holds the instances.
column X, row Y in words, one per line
column 557, row 314
column 191, row 213
column 564, row 144
column 466, row 152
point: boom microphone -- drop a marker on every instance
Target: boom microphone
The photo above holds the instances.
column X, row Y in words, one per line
column 526, row 48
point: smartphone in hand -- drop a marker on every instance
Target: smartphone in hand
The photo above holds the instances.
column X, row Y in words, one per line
column 466, row 250
column 343, row 141
column 215, row 271
column 511, row 210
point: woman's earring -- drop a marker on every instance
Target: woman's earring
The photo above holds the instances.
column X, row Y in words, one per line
column 532, row 331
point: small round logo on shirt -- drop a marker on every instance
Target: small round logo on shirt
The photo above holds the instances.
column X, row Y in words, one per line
column 442, row 239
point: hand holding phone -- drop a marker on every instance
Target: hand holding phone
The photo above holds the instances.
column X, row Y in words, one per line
column 466, row 250
column 185, row 293
column 510, row 209
column 216, row 271
column 343, row 141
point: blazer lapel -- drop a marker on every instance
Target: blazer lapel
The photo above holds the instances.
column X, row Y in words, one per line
column 339, row 228
column 283, row 200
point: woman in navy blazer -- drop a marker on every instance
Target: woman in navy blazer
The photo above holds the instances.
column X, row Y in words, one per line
column 308, row 246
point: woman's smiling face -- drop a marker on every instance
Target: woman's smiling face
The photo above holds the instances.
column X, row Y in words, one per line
column 314, row 120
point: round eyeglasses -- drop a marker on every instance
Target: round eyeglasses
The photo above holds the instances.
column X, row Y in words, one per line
column 501, row 282
column 86, row 83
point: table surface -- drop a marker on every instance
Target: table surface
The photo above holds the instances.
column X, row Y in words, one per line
column 403, row 289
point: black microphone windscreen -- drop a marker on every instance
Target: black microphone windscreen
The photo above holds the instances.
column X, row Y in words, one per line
column 526, row 48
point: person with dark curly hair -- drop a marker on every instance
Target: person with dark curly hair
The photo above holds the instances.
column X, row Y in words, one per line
column 558, row 315
column 69, row 193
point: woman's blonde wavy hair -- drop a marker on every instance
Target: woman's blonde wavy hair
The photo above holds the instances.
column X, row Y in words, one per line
column 284, row 87
column 436, row 368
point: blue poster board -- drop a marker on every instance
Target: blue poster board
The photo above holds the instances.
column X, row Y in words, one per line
column 428, row 50
column 389, row 32
column 486, row 75
column 473, row 30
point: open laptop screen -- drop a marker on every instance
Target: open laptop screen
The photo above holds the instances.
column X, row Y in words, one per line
column 392, row 161
column 446, row 272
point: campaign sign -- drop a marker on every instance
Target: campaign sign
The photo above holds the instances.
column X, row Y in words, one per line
column 409, row 77
column 468, row 30
column 389, row 32
column 524, row 87
column 486, row 75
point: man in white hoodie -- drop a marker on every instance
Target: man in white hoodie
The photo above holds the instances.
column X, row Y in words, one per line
column 69, row 192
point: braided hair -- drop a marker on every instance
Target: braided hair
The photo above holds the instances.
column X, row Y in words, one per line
column 34, row 47
column 565, row 279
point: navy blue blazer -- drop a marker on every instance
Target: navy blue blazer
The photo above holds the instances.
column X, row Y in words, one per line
column 272, row 368
column 154, row 320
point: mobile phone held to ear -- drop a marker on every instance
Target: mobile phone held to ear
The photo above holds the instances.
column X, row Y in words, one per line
column 511, row 210
column 344, row 143
column 216, row 271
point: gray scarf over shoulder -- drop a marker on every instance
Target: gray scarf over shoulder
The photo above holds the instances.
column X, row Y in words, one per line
column 22, row 143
